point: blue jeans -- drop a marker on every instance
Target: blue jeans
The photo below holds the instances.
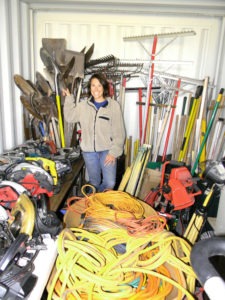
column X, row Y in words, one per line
column 100, row 176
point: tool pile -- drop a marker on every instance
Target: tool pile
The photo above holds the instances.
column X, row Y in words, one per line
column 64, row 69
column 30, row 174
column 179, row 126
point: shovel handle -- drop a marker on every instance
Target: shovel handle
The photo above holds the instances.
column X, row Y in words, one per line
column 60, row 121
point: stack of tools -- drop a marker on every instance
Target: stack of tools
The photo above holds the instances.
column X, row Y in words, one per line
column 65, row 69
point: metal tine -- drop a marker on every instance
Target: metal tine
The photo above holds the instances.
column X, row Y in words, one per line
column 101, row 60
column 122, row 64
column 83, row 50
column 160, row 35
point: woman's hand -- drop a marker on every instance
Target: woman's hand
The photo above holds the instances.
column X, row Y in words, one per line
column 109, row 160
column 65, row 92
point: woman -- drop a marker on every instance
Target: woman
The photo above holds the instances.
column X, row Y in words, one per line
column 102, row 131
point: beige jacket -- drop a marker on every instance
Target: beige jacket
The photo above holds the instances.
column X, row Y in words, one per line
column 101, row 129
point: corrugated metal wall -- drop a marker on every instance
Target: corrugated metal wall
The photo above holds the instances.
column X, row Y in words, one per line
column 184, row 56
column 24, row 25
column 14, row 58
column 108, row 31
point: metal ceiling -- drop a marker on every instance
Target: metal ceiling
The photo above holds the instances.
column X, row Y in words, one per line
column 185, row 7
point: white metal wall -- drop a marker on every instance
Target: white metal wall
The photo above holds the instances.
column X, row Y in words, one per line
column 107, row 32
column 14, row 59
column 190, row 56
column 23, row 25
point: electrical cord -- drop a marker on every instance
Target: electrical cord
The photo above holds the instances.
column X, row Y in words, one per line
column 142, row 226
column 152, row 267
column 109, row 205
column 113, row 205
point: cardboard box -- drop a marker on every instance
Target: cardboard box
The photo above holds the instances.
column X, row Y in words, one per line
column 151, row 179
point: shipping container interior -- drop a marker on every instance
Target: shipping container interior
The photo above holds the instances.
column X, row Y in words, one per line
column 165, row 62
column 106, row 25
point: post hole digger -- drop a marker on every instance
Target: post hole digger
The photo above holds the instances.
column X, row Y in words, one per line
column 175, row 194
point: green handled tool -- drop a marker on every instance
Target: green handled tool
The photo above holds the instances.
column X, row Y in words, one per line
column 219, row 97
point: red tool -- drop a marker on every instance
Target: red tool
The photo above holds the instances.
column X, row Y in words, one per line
column 36, row 185
column 149, row 100
column 177, row 189
column 10, row 192
column 171, row 120
column 140, row 113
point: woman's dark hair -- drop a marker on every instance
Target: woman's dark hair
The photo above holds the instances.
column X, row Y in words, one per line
column 102, row 79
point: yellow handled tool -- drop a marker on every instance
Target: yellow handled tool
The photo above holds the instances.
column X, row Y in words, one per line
column 48, row 165
column 219, row 98
column 49, row 61
column 190, row 124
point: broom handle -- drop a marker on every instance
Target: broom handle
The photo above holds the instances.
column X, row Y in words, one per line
column 219, row 97
column 171, row 120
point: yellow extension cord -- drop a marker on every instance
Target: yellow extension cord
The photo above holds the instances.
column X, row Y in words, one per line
column 88, row 266
column 153, row 266
column 112, row 205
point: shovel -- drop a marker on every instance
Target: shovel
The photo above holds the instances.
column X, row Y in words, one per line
column 77, row 70
column 25, row 87
column 26, row 103
column 50, row 62
column 56, row 48
column 42, row 83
